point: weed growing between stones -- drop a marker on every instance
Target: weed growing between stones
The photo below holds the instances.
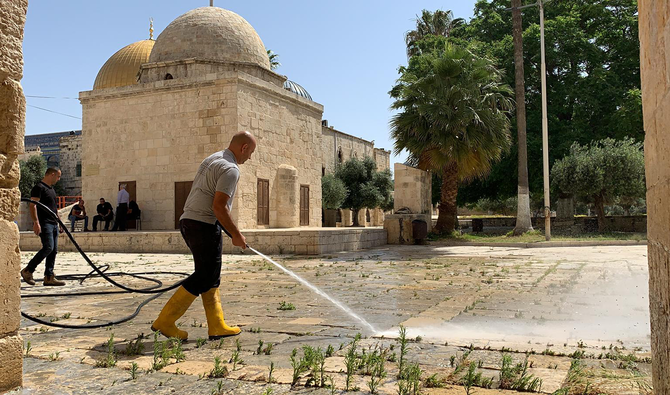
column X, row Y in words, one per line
column 268, row 349
column 259, row 350
column 133, row 371
column 135, row 347
column 54, row 356
column 29, row 348
column 235, row 359
column 351, row 362
column 434, row 382
column 219, row 388
column 165, row 351
column 472, row 379
column 516, row 377
column 110, row 359
column 200, row 342
column 377, row 373
column 272, row 369
column 286, row 306
column 219, row 371
column 298, row 367
column 409, row 382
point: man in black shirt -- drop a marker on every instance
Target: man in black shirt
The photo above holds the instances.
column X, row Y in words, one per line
column 46, row 227
column 78, row 213
column 105, row 212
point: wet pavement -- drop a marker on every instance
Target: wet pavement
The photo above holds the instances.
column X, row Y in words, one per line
column 577, row 315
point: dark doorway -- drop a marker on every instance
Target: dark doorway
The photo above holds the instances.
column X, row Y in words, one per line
column 181, row 191
column 263, row 203
column 304, row 205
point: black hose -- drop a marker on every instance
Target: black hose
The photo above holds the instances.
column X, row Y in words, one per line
column 155, row 289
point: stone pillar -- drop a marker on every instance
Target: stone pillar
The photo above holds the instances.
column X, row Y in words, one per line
column 12, row 128
column 654, row 23
column 347, row 217
column 287, row 198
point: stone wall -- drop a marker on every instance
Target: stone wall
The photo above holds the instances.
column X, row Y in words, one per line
column 383, row 158
column 157, row 133
column 70, row 159
column 12, row 129
column 412, row 189
column 303, row 241
column 654, row 19
column 335, row 143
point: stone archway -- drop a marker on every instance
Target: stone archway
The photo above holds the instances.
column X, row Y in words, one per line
column 12, row 128
column 654, row 23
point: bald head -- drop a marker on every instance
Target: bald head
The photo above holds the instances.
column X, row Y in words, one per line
column 242, row 145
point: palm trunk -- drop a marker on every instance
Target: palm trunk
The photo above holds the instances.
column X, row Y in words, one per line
column 446, row 221
column 600, row 211
column 523, row 221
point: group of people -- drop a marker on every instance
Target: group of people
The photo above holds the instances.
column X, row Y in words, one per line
column 207, row 212
column 124, row 211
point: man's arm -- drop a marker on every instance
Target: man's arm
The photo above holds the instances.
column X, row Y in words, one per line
column 33, row 214
column 220, row 207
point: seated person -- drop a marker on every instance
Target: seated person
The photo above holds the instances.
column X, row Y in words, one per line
column 78, row 213
column 133, row 210
column 105, row 213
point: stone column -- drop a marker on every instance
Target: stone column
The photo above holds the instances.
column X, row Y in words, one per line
column 12, row 127
column 654, row 23
column 287, row 197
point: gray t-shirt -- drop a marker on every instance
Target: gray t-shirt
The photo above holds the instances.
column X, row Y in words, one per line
column 218, row 172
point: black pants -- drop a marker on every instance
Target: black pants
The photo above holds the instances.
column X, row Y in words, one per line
column 205, row 243
column 121, row 214
column 107, row 219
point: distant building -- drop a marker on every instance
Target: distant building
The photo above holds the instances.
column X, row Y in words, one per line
column 62, row 150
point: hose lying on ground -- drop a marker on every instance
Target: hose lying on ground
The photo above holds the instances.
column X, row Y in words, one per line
column 154, row 290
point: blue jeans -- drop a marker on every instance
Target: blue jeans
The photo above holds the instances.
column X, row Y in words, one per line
column 74, row 219
column 49, row 237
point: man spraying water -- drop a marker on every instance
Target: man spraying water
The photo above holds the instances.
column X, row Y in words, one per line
column 207, row 209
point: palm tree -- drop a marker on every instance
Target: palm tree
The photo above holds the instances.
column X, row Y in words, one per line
column 523, row 221
column 438, row 23
column 274, row 59
column 453, row 119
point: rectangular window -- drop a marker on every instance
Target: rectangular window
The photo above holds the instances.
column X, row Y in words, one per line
column 78, row 170
column 263, row 204
column 304, row 205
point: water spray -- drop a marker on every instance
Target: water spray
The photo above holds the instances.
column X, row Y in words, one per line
column 318, row 291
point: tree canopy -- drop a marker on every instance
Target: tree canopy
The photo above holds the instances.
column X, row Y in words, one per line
column 368, row 188
column 333, row 192
column 603, row 172
column 453, row 116
column 593, row 79
column 32, row 171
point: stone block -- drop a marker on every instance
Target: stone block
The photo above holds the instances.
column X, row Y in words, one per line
column 9, row 171
column 12, row 21
column 9, row 203
column 12, row 117
column 11, row 362
column 10, row 262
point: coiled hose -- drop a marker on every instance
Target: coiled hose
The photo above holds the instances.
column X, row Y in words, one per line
column 154, row 290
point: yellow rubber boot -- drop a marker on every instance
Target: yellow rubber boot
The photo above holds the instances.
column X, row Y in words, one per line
column 173, row 309
column 216, row 326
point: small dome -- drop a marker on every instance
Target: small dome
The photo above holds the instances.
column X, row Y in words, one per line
column 122, row 68
column 297, row 89
column 210, row 33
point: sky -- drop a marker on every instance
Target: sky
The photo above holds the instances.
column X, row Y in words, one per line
column 345, row 53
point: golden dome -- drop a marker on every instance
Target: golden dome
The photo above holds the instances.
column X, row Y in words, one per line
column 122, row 68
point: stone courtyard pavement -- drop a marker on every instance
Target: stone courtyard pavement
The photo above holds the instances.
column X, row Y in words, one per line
column 576, row 318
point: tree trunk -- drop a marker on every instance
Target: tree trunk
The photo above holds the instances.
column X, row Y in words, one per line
column 600, row 211
column 523, row 221
column 446, row 221
column 354, row 219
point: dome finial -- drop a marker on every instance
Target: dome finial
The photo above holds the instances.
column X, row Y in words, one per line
column 151, row 28
column 211, row 3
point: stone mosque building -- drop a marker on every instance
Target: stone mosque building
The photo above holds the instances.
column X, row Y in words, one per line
column 158, row 108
